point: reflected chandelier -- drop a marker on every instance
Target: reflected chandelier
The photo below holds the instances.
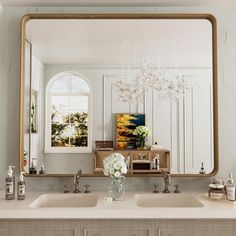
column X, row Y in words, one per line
column 172, row 88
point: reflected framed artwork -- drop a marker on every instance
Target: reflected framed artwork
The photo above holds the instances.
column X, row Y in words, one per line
column 125, row 126
column 34, row 112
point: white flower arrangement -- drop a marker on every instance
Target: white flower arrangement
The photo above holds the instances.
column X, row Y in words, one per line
column 142, row 131
column 114, row 165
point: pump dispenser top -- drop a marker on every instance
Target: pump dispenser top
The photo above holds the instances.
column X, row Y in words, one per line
column 10, row 171
column 10, row 184
column 22, row 176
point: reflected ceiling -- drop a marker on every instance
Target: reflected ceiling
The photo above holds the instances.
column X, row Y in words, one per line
column 109, row 42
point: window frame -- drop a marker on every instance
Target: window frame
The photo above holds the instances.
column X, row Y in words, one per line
column 48, row 128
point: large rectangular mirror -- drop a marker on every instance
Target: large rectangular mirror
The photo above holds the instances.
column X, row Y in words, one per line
column 79, row 71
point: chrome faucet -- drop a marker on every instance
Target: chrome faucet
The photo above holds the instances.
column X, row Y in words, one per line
column 76, row 181
column 167, row 182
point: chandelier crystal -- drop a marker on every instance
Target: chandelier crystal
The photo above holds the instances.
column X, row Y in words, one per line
column 167, row 87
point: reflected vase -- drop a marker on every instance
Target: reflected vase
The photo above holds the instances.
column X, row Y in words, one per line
column 140, row 144
column 116, row 188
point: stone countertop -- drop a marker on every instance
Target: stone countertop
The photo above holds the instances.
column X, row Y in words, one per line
column 126, row 209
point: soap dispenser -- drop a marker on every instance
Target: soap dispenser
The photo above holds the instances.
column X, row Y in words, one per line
column 230, row 188
column 10, row 184
column 157, row 161
column 21, row 187
column 202, row 169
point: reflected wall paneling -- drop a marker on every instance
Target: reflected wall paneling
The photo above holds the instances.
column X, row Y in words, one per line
column 180, row 132
column 112, row 105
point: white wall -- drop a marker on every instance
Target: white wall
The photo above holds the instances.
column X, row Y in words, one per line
column 9, row 92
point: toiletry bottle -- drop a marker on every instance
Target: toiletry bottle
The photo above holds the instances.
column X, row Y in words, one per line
column 157, row 161
column 225, row 184
column 10, row 184
column 127, row 162
column 202, row 170
column 230, row 188
column 21, row 187
column 42, row 170
column 33, row 167
column 154, row 163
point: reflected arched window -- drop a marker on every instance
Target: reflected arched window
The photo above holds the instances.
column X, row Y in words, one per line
column 68, row 109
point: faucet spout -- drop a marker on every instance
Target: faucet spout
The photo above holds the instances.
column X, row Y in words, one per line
column 167, row 182
column 76, row 181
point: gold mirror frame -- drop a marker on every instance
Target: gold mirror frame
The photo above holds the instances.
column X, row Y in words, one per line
column 208, row 17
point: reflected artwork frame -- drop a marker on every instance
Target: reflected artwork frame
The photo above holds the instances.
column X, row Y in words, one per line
column 125, row 126
column 34, row 112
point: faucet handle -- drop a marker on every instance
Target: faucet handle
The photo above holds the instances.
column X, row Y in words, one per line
column 155, row 188
column 66, row 188
column 86, row 188
column 176, row 188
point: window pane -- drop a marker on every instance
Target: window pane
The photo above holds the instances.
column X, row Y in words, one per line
column 60, row 117
column 79, row 103
column 60, row 103
column 77, row 118
column 79, row 141
column 80, row 123
column 81, row 129
column 58, row 135
column 79, row 85
column 61, row 85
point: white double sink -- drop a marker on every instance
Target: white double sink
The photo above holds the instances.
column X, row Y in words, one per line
column 91, row 200
column 65, row 200
column 167, row 200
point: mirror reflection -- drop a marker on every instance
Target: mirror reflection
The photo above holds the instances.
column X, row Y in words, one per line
column 90, row 80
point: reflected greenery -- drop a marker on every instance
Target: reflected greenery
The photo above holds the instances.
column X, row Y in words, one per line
column 72, row 131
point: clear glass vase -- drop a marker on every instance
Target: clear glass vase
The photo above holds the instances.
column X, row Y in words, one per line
column 116, row 188
column 140, row 143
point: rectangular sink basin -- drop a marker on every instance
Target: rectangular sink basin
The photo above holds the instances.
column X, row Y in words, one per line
column 167, row 200
column 65, row 200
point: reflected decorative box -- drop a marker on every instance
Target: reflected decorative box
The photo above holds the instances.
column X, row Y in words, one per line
column 104, row 145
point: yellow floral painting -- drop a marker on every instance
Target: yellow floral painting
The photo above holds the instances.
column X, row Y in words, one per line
column 125, row 126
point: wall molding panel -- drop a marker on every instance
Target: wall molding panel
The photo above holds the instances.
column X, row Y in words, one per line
column 175, row 134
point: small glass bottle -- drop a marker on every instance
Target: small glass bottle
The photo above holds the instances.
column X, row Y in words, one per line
column 230, row 188
column 202, row 169
column 157, row 161
column 21, row 187
column 33, row 167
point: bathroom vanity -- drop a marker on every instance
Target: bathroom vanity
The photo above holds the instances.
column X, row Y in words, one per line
column 130, row 227
column 191, row 214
